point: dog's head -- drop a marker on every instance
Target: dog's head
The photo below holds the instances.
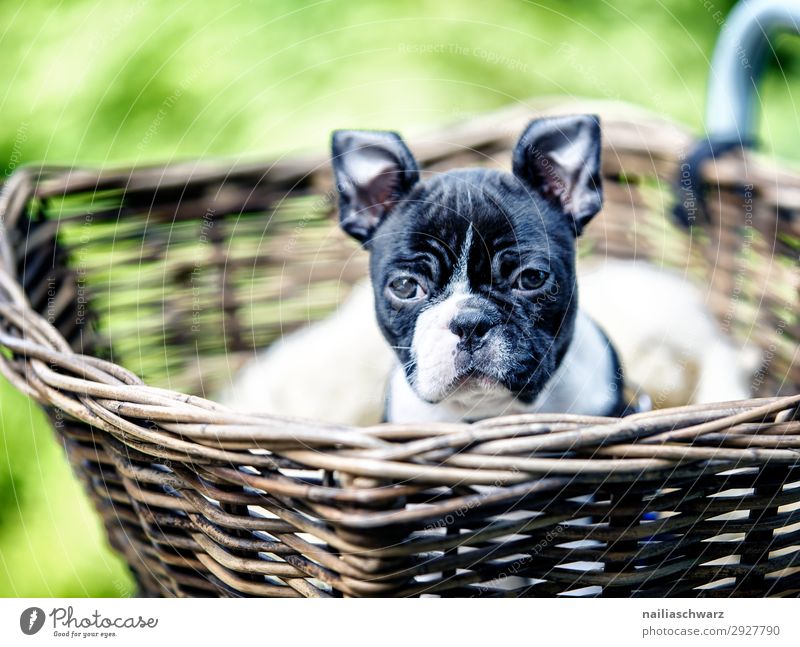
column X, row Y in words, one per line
column 474, row 269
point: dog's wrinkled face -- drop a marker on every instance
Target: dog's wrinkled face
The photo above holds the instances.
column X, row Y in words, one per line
column 474, row 270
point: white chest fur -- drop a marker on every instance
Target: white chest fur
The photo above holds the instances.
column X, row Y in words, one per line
column 584, row 383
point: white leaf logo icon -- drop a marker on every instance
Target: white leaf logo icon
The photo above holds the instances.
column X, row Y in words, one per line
column 31, row 620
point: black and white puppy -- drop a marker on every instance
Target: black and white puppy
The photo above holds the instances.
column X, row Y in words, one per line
column 473, row 272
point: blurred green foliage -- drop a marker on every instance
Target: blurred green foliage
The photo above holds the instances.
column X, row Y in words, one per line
column 134, row 81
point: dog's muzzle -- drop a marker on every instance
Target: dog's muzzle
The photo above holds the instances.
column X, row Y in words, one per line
column 473, row 326
column 459, row 344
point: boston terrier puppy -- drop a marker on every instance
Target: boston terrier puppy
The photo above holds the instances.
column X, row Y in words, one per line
column 473, row 273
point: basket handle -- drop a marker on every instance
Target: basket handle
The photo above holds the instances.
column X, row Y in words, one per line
column 736, row 69
column 738, row 65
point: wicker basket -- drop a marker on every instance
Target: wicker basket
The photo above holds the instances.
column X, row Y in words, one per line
column 178, row 273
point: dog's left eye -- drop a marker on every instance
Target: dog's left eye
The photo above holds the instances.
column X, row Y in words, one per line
column 530, row 279
column 406, row 288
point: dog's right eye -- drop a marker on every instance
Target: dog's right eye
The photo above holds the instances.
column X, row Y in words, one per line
column 406, row 288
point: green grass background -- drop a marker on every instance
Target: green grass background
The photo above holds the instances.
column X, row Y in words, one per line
column 123, row 82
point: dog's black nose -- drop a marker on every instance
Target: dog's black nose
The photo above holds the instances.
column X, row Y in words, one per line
column 471, row 325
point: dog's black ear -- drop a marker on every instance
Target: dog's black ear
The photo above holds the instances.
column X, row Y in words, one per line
column 373, row 171
column 559, row 157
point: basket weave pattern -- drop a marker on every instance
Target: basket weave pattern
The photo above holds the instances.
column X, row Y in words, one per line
column 178, row 273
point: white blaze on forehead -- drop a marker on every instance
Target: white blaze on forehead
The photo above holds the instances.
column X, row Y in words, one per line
column 460, row 277
column 433, row 346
